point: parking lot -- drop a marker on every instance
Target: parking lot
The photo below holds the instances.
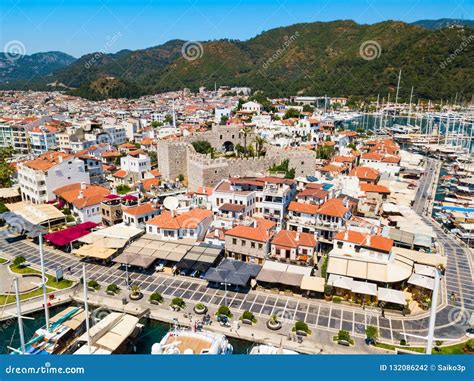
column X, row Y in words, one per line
column 316, row 313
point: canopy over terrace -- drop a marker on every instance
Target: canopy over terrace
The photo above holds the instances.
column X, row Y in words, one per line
column 38, row 214
column 231, row 271
column 200, row 257
column 66, row 236
column 103, row 243
column 18, row 225
column 152, row 247
column 391, row 296
column 312, row 283
column 143, row 261
column 282, row 273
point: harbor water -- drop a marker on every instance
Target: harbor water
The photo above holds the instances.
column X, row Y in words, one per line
column 153, row 331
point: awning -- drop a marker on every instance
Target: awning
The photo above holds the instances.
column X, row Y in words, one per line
column 425, row 270
column 143, row 261
column 66, row 236
column 312, row 283
column 290, row 279
column 364, row 288
column 185, row 263
column 92, row 251
column 268, row 276
column 340, row 281
column 422, row 281
column 233, row 272
column 391, row 296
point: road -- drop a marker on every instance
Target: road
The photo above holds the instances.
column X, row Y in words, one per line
column 451, row 322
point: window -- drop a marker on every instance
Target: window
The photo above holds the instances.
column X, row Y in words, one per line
column 252, row 245
column 260, row 246
column 244, row 243
column 234, row 241
column 339, row 245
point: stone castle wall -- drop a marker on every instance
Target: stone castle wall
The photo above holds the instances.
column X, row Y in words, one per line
column 179, row 158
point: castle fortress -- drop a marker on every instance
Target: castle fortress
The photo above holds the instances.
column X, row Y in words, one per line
column 179, row 158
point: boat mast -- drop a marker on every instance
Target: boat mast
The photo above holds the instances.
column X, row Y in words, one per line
column 86, row 308
column 398, row 87
column 409, row 109
column 19, row 317
column 43, row 283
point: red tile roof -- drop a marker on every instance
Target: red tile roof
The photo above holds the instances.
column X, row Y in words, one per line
column 303, row 207
column 365, row 173
column 334, row 208
column 292, row 239
column 187, row 220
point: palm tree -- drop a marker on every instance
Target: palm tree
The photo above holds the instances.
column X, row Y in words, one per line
column 259, row 143
column 246, row 131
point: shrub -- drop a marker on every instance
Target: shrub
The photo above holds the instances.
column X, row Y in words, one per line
column 200, row 306
column 372, row 332
column 93, row 284
column 67, row 211
column 403, row 342
column 344, row 335
column 327, row 289
column 301, row 326
column 123, row 189
column 70, row 218
column 336, row 299
column 248, row 315
column 19, row 260
column 178, row 302
column 469, row 346
column 224, row 310
column 156, row 297
column 113, row 288
column 324, row 266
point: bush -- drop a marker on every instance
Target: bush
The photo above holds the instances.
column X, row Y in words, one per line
column 327, row 289
column 93, row 284
column 200, row 306
column 372, row 333
column 19, row 260
column 156, row 297
column 324, row 266
column 301, row 326
column 248, row 315
column 67, row 211
column 403, row 342
column 336, row 299
column 113, row 288
column 469, row 346
column 70, row 218
column 123, row 189
column 178, row 302
column 224, row 310
column 344, row 335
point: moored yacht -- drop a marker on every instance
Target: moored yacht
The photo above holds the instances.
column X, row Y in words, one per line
column 63, row 329
column 186, row 341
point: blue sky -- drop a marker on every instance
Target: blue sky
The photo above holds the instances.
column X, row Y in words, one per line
column 79, row 27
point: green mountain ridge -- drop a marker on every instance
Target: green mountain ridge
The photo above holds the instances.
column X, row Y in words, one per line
column 310, row 58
